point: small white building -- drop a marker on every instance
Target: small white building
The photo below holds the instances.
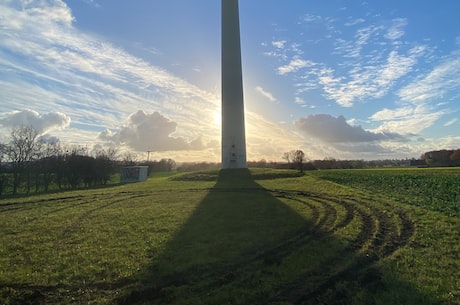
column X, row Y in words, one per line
column 134, row 174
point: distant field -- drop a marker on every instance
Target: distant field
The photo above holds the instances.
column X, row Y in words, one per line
column 239, row 237
column 437, row 189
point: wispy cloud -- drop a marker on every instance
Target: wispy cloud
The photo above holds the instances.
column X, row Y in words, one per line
column 303, row 103
column 435, row 84
column 366, row 70
column 92, row 3
column 294, row 65
column 266, row 94
column 280, row 44
column 391, row 114
column 396, row 31
column 50, row 64
column 450, row 122
column 420, row 99
column 410, row 119
column 353, row 22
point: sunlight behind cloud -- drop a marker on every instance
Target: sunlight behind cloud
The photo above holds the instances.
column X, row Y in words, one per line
column 389, row 72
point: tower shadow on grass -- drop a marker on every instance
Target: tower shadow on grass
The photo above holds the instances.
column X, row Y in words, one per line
column 242, row 245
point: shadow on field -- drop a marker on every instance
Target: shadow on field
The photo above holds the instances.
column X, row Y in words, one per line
column 242, row 245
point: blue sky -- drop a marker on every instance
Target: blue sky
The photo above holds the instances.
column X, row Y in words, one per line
column 341, row 79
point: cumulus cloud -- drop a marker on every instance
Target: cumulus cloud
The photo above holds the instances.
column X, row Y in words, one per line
column 150, row 132
column 42, row 123
column 332, row 129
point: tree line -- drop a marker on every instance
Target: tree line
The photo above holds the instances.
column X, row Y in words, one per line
column 442, row 157
column 32, row 164
column 29, row 163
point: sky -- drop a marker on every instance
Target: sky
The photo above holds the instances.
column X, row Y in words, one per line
column 337, row 79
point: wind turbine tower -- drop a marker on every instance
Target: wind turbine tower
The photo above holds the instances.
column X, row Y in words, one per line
column 233, row 131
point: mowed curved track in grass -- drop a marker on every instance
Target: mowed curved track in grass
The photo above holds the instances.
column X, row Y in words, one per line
column 381, row 230
column 259, row 237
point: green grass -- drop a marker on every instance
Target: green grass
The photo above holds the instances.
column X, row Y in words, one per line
column 435, row 189
column 232, row 237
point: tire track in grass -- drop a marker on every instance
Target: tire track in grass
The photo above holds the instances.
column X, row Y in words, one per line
column 108, row 202
column 379, row 236
column 383, row 235
column 319, row 279
column 382, row 231
column 67, row 232
column 324, row 221
column 32, row 204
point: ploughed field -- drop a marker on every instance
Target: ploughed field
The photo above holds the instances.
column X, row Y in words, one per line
column 239, row 237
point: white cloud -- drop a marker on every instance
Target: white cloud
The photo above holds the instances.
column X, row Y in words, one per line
column 352, row 48
column 412, row 124
column 450, row 122
column 407, row 120
column 368, row 67
column 388, row 114
column 353, row 22
column 365, row 81
column 149, row 132
column 336, row 130
column 311, row 18
column 299, row 101
column 52, row 65
column 294, row 65
column 372, row 81
column 92, row 3
column 266, row 94
column 436, row 83
column 280, row 44
column 42, row 123
column 396, row 31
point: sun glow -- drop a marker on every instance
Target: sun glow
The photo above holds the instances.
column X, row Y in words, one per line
column 218, row 118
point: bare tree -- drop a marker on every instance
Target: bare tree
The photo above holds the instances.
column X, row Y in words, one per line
column 287, row 156
column 299, row 159
column 295, row 157
column 21, row 151
column 128, row 159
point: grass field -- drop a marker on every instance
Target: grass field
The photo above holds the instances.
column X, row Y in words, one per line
column 238, row 237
